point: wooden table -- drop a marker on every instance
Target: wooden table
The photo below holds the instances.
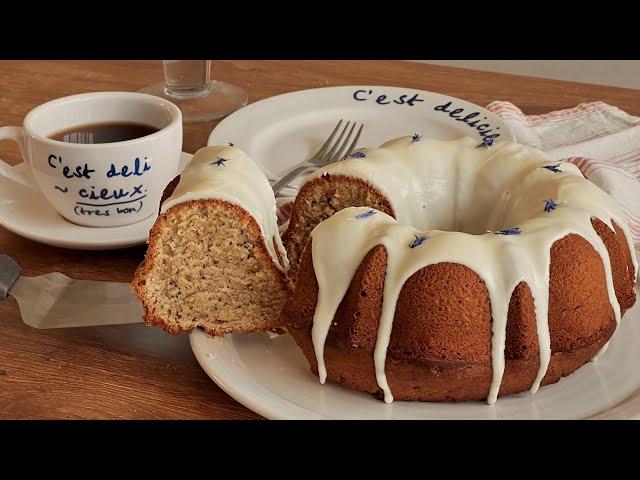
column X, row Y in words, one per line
column 133, row 371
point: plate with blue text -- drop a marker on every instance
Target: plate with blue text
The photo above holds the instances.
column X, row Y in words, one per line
column 26, row 212
column 270, row 375
column 281, row 132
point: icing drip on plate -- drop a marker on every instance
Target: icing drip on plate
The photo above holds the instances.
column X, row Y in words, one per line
column 227, row 173
column 495, row 210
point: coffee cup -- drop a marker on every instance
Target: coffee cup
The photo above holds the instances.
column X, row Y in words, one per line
column 99, row 184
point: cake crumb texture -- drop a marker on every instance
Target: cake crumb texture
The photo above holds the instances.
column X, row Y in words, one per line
column 207, row 266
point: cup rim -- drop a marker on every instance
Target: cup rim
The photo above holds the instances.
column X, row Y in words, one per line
column 174, row 110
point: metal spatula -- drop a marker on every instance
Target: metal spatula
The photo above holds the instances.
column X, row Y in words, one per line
column 57, row 301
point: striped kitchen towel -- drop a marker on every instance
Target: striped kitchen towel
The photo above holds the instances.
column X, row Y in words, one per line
column 602, row 140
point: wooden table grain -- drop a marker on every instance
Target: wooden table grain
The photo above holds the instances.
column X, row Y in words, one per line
column 136, row 372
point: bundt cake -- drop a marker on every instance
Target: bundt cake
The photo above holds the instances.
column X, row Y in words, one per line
column 449, row 271
column 215, row 258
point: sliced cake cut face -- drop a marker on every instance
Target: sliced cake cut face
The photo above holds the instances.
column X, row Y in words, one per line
column 320, row 199
column 215, row 259
column 207, row 267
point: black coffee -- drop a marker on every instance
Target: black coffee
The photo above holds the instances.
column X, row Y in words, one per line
column 104, row 133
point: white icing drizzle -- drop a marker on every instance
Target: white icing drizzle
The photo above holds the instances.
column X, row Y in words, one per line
column 227, row 173
column 441, row 189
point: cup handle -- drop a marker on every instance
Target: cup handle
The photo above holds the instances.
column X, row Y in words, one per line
column 6, row 170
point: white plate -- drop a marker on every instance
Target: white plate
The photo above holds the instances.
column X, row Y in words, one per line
column 282, row 131
column 27, row 213
column 272, row 378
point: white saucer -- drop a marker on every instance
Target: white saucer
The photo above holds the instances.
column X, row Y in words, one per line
column 27, row 213
column 272, row 378
column 282, row 131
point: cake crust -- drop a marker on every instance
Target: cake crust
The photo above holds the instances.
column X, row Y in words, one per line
column 440, row 347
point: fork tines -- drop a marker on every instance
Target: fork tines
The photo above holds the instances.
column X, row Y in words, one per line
column 341, row 148
column 329, row 152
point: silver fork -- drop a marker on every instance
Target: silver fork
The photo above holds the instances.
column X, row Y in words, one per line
column 330, row 152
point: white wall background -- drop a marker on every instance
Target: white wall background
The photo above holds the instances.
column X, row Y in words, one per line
column 615, row 73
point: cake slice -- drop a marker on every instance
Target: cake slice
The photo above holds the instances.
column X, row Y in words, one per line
column 215, row 258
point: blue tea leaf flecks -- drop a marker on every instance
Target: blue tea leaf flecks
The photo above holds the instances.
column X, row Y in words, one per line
column 419, row 240
column 220, row 162
column 416, row 138
column 358, row 154
column 553, row 168
column 550, row 204
column 508, row 231
column 367, row 214
column 486, row 142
